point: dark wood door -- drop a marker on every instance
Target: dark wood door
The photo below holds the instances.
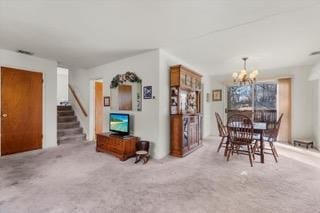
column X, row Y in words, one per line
column 98, row 107
column 125, row 97
column 21, row 110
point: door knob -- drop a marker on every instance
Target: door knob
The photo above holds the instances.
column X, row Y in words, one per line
column 4, row 115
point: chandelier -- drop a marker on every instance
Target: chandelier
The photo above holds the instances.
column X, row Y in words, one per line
column 243, row 77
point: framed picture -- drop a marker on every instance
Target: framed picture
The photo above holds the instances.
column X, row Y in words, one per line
column 106, row 101
column 147, row 92
column 217, row 95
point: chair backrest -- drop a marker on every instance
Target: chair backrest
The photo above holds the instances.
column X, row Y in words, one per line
column 273, row 135
column 142, row 146
column 221, row 127
column 240, row 129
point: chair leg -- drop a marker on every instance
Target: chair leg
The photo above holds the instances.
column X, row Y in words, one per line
column 229, row 151
column 233, row 149
column 146, row 158
column 226, row 148
column 273, row 152
column 220, row 145
column 250, row 156
column 255, row 146
column 138, row 158
column 253, row 157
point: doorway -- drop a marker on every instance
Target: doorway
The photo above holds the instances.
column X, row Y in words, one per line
column 62, row 86
column 21, row 110
column 98, row 106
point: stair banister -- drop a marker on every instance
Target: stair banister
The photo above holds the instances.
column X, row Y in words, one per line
column 78, row 101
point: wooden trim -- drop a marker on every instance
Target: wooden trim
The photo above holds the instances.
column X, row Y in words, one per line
column 78, row 100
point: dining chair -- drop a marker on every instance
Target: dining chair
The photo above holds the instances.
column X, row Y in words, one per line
column 270, row 136
column 240, row 133
column 223, row 133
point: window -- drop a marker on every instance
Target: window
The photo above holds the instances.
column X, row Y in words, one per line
column 264, row 97
column 239, row 97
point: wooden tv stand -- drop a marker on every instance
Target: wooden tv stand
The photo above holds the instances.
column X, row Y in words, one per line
column 123, row 147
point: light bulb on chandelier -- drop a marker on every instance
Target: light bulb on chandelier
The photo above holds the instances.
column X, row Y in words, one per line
column 243, row 77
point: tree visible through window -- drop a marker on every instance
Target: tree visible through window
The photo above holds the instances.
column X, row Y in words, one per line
column 264, row 98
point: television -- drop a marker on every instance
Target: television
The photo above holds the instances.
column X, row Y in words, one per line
column 119, row 123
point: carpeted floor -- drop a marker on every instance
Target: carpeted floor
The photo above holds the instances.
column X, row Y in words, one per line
column 74, row 178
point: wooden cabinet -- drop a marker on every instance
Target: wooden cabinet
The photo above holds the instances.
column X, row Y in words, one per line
column 185, row 110
column 185, row 134
column 123, row 147
column 184, row 77
column 185, row 90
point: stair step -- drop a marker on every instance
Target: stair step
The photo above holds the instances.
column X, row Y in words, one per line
column 65, row 113
column 69, row 118
column 64, row 107
column 71, row 131
column 72, row 138
column 68, row 125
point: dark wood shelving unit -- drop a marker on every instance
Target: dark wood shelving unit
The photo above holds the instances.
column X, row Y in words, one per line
column 185, row 110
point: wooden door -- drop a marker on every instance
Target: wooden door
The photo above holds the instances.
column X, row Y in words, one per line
column 21, row 110
column 125, row 97
column 98, row 107
column 284, row 98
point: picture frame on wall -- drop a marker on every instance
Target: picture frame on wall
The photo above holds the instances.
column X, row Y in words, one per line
column 147, row 92
column 217, row 95
column 106, row 101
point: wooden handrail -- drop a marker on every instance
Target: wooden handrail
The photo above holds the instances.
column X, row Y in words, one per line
column 78, row 100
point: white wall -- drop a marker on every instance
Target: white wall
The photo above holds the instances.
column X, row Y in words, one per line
column 316, row 112
column 315, row 80
column 49, row 70
column 152, row 123
column 302, row 116
column 62, row 85
column 146, row 67
column 302, row 98
column 217, row 106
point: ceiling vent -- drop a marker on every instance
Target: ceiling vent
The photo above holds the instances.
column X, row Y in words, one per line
column 315, row 53
column 25, row 52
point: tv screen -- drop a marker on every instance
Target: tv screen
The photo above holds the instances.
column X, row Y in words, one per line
column 119, row 123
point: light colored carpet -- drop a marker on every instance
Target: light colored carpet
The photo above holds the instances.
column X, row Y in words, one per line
column 74, row 178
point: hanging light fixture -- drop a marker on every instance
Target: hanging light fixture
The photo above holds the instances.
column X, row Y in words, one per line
column 243, row 77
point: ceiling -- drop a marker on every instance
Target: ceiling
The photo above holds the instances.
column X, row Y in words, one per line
column 211, row 34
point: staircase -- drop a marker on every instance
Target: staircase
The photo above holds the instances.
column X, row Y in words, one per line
column 69, row 129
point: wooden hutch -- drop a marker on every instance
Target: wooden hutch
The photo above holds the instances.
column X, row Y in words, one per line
column 185, row 110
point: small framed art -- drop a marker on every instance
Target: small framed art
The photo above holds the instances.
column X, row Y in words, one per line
column 106, row 101
column 147, row 92
column 217, row 95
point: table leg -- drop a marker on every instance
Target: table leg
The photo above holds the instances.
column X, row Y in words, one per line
column 261, row 148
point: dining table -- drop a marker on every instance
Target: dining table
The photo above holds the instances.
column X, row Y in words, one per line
column 258, row 129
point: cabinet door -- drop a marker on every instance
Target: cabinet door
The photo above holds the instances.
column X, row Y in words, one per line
column 185, row 141
column 192, row 135
column 193, row 132
column 101, row 142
